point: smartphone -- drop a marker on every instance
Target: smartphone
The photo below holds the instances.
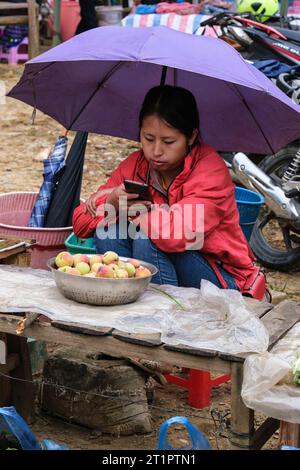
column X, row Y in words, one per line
column 141, row 189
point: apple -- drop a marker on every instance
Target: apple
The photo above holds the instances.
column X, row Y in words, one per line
column 96, row 259
column 134, row 262
column 83, row 268
column 90, row 274
column 106, row 272
column 114, row 266
column 110, row 257
column 79, row 258
column 64, row 259
column 142, row 272
column 69, row 270
column 130, row 269
column 96, row 266
column 121, row 273
column 121, row 264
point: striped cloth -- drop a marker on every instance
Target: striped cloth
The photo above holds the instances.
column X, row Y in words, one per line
column 52, row 169
column 185, row 23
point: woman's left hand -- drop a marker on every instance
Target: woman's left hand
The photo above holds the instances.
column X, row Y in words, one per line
column 90, row 203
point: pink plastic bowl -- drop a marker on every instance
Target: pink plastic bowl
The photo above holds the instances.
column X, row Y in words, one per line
column 15, row 210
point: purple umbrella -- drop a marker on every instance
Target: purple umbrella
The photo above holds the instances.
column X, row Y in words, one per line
column 96, row 82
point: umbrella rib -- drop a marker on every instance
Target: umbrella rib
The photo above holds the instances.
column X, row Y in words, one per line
column 254, row 118
column 104, row 80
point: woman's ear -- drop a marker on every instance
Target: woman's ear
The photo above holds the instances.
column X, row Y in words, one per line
column 193, row 138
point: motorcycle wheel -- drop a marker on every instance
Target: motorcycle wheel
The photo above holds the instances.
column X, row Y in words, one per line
column 275, row 245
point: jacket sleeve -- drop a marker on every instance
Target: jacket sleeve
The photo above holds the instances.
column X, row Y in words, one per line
column 185, row 225
column 84, row 224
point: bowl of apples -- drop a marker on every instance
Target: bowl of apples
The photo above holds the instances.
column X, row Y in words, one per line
column 107, row 279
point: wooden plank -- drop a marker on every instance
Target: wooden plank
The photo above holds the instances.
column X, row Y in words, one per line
column 13, row 6
column 5, row 384
column 12, row 362
column 264, row 432
column 18, row 259
column 114, row 347
column 259, row 308
column 189, row 350
column 33, row 29
column 12, row 252
column 82, row 328
column 242, row 418
column 17, row 19
column 231, row 357
column 150, row 340
column 289, row 434
column 24, row 386
column 280, row 320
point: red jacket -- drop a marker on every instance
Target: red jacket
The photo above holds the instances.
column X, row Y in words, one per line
column 203, row 180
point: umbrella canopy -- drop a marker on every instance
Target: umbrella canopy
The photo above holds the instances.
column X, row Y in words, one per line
column 53, row 167
column 97, row 80
column 67, row 192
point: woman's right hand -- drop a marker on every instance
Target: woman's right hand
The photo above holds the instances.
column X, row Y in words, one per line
column 128, row 199
column 114, row 199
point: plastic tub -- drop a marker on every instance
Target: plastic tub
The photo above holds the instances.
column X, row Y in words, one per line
column 15, row 210
column 249, row 204
column 69, row 18
column 109, row 15
column 80, row 245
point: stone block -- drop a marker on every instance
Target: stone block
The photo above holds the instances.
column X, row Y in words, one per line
column 108, row 395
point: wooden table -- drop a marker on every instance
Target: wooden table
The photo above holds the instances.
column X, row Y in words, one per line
column 18, row 363
column 278, row 320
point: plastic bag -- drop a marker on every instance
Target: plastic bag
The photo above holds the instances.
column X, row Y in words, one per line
column 268, row 385
column 198, row 441
column 209, row 318
column 12, row 423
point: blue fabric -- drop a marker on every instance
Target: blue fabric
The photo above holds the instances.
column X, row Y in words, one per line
column 185, row 269
column 52, row 166
column 273, row 68
column 12, row 36
column 145, row 9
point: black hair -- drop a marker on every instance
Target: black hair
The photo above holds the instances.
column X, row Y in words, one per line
column 174, row 105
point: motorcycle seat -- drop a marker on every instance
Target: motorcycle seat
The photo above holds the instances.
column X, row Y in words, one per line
column 290, row 34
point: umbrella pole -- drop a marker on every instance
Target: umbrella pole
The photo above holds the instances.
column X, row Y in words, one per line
column 56, row 23
column 163, row 75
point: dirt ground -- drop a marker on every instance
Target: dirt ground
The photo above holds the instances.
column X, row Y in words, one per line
column 23, row 147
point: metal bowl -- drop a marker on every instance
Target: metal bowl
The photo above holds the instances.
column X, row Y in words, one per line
column 101, row 291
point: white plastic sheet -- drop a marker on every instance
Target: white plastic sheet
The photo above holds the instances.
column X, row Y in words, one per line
column 212, row 318
column 268, row 385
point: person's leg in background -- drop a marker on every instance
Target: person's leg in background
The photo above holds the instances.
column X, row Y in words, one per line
column 88, row 16
column 191, row 267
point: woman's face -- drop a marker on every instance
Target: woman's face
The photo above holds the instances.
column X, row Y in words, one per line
column 164, row 146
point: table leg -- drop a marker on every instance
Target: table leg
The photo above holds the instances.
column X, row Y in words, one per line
column 242, row 418
column 19, row 393
column 289, row 434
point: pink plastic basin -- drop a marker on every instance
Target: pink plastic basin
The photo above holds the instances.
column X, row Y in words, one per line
column 15, row 210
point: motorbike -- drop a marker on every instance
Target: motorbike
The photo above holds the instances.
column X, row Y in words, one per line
column 275, row 240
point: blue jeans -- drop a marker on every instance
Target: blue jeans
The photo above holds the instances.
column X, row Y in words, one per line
column 184, row 269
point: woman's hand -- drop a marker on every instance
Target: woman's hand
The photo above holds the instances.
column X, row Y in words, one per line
column 122, row 201
column 114, row 199
column 90, row 203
